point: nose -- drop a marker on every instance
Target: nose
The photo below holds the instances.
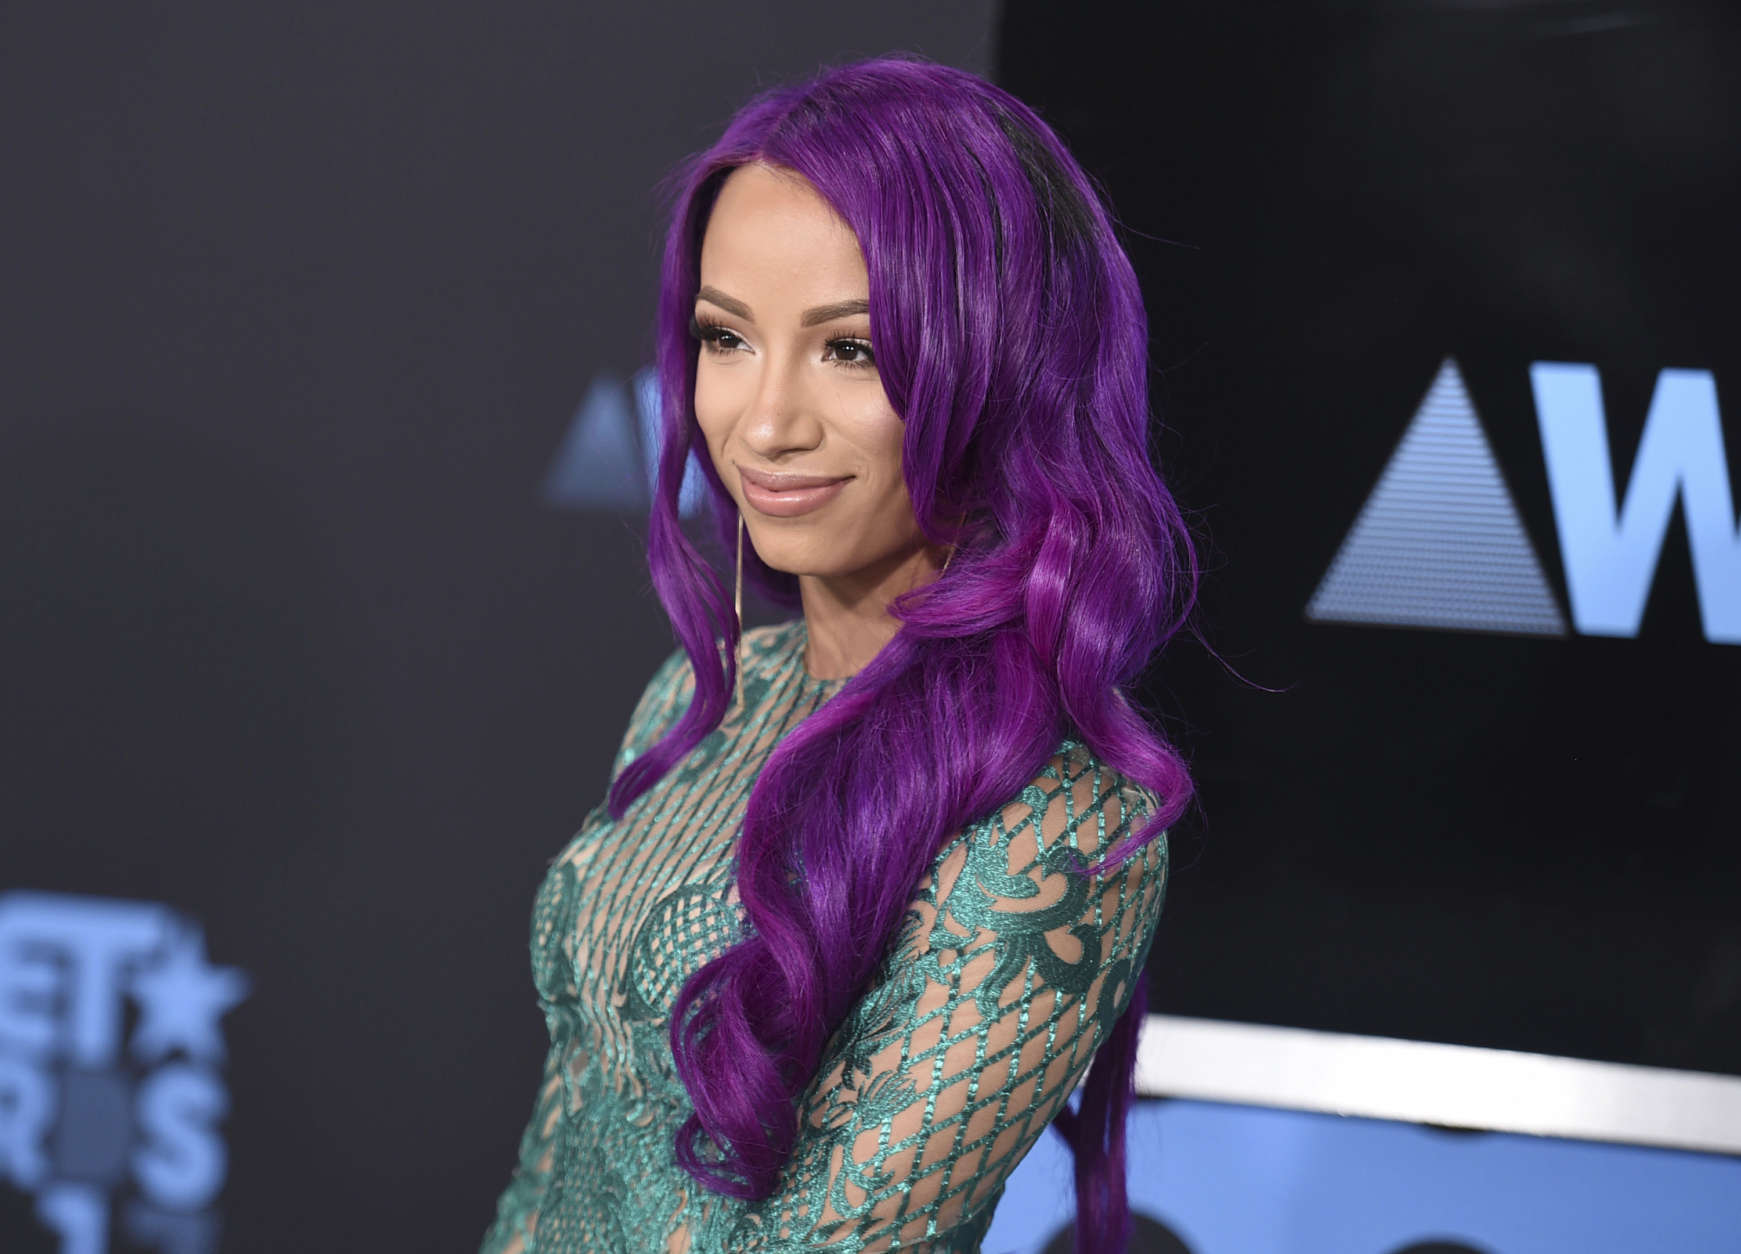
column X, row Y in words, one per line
column 783, row 415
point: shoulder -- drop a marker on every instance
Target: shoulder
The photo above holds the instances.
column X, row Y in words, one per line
column 674, row 669
column 674, row 678
column 1034, row 864
column 661, row 703
column 1076, row 804
column 668, row 693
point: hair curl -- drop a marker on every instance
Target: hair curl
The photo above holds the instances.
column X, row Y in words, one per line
column 1011, row 338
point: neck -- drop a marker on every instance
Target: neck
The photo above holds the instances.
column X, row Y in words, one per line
column 847, row 616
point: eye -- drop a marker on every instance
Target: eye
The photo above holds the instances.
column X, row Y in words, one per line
column 853, row 353
column 714, row 336
column 718, row 339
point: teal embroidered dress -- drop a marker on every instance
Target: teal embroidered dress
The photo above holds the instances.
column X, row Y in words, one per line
column 983, row 1017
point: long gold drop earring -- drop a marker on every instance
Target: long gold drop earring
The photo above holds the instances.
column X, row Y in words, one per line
column 738, row 607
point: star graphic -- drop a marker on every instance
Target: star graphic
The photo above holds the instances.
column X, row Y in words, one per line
column 182, row 998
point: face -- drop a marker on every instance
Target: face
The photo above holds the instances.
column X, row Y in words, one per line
column 786, row 386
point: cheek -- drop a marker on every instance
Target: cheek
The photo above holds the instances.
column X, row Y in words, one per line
column 881, row 436
column 713, row 410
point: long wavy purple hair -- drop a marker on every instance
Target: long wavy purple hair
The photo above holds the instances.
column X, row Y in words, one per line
column 1010, row 336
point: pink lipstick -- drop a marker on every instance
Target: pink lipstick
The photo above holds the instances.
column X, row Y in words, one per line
column 784, row 494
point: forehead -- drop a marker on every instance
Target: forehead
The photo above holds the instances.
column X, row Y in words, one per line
column 772, row 238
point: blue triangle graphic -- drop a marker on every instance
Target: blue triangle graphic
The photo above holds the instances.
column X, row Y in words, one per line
column 1439, row 542
column 599, row 465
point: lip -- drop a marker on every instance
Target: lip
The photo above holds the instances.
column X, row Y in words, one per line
column 785, row 494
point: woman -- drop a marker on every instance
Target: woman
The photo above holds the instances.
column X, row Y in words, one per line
column 873, row 887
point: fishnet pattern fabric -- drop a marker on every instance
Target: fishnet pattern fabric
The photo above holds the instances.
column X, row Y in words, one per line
column 1005, row 976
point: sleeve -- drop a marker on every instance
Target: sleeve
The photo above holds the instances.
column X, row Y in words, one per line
column 1007, row 974
column 660, row 704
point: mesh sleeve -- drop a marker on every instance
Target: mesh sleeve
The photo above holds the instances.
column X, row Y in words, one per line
column 1007, row 974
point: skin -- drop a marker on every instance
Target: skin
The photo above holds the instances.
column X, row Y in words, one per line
column 772, row 394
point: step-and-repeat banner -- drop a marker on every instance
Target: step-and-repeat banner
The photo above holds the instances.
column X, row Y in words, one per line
column 1447, row 351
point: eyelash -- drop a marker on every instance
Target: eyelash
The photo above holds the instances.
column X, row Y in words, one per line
column 710, row 333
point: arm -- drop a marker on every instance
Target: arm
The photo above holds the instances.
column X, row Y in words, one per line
column 1007, row 974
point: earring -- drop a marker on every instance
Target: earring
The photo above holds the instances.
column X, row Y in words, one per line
column 738, row 607
column 947, row 558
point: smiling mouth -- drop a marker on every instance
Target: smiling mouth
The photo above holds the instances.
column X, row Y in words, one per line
column 786, row 494
column 787, row 481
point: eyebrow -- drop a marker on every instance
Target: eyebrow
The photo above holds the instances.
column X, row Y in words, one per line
column 810, row 318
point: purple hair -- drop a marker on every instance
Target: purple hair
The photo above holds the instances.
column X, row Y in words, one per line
column 1011, row 338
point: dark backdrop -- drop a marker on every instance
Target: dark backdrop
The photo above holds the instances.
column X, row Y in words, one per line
column 301, row 303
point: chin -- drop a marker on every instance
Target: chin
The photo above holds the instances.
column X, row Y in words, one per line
column 777, row 557
column 799, row 563
column 795, row 567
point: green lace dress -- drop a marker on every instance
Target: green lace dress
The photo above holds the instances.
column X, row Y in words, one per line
column 978, row 1024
